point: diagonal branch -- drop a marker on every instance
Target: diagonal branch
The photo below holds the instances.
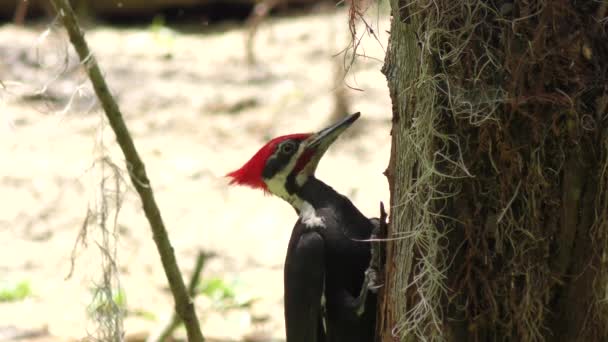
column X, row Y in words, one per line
column 183, row 303
column 174, row 321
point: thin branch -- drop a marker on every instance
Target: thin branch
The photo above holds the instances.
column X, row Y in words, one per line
column 183, row 303
column 174, row 321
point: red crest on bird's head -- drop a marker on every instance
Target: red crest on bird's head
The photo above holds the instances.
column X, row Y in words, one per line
column 250, row 174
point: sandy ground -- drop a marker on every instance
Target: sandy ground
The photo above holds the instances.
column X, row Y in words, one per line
column 196, row 111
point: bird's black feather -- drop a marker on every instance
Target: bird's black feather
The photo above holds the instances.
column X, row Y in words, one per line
column 338, row 245
column 304, row 278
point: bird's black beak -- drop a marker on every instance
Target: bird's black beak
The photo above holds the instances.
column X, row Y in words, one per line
column 321, row 140
column 317, row 144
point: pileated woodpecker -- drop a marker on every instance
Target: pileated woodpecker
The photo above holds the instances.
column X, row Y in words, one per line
column 329, row 293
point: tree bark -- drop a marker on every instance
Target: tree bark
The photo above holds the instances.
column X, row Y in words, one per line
column 498, row 172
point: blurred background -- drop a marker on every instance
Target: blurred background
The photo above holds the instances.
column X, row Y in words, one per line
column 202, row 85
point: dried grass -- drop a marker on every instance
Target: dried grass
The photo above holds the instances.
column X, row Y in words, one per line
column 107, row 308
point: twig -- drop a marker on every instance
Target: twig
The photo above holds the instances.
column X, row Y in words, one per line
column 183, row 304
column 173, row 322
column 258, row 14
column 20, row 12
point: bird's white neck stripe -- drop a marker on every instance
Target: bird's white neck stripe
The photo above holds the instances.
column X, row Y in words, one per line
column 309, row 216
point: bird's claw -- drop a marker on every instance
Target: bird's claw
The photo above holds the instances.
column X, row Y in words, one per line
column 371, row 280
column 376, row 262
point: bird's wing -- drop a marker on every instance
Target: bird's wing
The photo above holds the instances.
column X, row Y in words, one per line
column 304, row 281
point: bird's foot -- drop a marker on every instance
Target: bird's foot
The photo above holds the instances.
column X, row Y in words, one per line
column 371, row 280
column 378, row 237
column 370, row 284
column 373, row 272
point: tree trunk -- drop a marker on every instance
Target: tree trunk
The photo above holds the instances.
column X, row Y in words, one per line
column 498, row 172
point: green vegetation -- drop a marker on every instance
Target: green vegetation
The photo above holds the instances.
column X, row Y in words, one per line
column 225, row 296
column 145, row 314
column 14, row 291
column 163, row 35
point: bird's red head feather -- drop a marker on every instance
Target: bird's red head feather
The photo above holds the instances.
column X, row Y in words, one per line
column 250, row 174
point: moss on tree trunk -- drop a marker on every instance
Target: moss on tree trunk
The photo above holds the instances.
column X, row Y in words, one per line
column 499, row 171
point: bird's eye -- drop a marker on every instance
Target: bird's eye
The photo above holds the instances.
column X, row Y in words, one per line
column 288, row 147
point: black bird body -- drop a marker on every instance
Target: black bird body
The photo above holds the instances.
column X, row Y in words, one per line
column 326, row 273
column 324, row 270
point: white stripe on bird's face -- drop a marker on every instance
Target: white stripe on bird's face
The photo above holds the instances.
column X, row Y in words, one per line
column 276, row 184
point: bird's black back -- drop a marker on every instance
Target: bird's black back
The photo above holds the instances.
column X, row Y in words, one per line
column 346, row 257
